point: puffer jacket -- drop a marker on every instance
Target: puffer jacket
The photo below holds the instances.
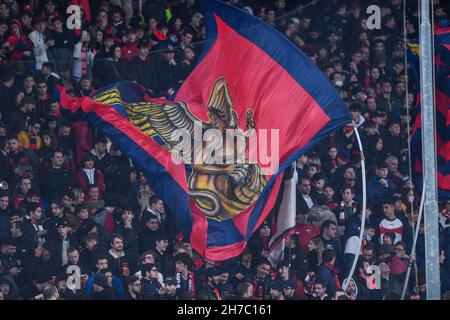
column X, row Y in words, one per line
column 318, row 214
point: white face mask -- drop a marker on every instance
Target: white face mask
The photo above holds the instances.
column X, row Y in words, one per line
column 339, row 83
column 368, row 238
column 410, row 198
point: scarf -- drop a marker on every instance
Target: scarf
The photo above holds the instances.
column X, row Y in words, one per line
column 33, row 142
column 331, row 204
column 181, row 283
column 344, row 212
column 259, row 289
column 84, row 61
column 19, row 158
column 217, row 293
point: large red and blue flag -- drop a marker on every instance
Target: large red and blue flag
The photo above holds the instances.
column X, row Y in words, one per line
column 250, row 79
column 442, row 98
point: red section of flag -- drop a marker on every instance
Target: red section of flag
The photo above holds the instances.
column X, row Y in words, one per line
column 255, row 79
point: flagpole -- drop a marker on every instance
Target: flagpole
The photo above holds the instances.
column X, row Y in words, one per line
column 413, row 250
column 346, row 281
column 429, row 155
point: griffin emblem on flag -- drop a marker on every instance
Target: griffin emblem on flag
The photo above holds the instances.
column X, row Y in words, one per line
column 221, row 191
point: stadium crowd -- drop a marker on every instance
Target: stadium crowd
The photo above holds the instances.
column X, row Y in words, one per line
column 70, row 200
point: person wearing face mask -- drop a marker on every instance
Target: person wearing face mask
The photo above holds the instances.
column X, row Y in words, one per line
column 336, row 80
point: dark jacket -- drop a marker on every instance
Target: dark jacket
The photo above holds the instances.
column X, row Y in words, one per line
column 147, row 239
column 8, row 263
column 5, row 168
column 38, row 268
column 90, row 257
column 165, row 263
column 117, row 176
column 209, row 293
column 97, row 69
column 57, row 243
column 51, row 226
column 110, row 71
column 106, row 294
column 24, row 249
column 130, row 245
column 145, row 72
column 117, row 262
column 149, row 289
column 301, row 203
column 168, row 76
column 7, row 99
column 262, row 288
column 394, row 144
column 324, row 273
column 101, row 163
column 257, row 244
column 377, row 191
column 55, row 183
column 30, row 234
column 4, row 222
column 299, row 261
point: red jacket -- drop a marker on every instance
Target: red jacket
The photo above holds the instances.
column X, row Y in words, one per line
column 129, row 51
column 306, row 232
column 83, row 181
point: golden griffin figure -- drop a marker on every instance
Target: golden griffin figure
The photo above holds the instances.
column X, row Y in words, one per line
column 221, row 191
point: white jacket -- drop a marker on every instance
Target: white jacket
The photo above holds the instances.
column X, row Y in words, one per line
column 40, row 49
column 76, row 66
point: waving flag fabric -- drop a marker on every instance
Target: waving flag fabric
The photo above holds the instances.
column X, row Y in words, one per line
column 250, row 79
column 283, row 224
column 442, row 89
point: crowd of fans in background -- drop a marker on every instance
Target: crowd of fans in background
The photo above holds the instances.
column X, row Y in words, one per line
column 70, row 200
